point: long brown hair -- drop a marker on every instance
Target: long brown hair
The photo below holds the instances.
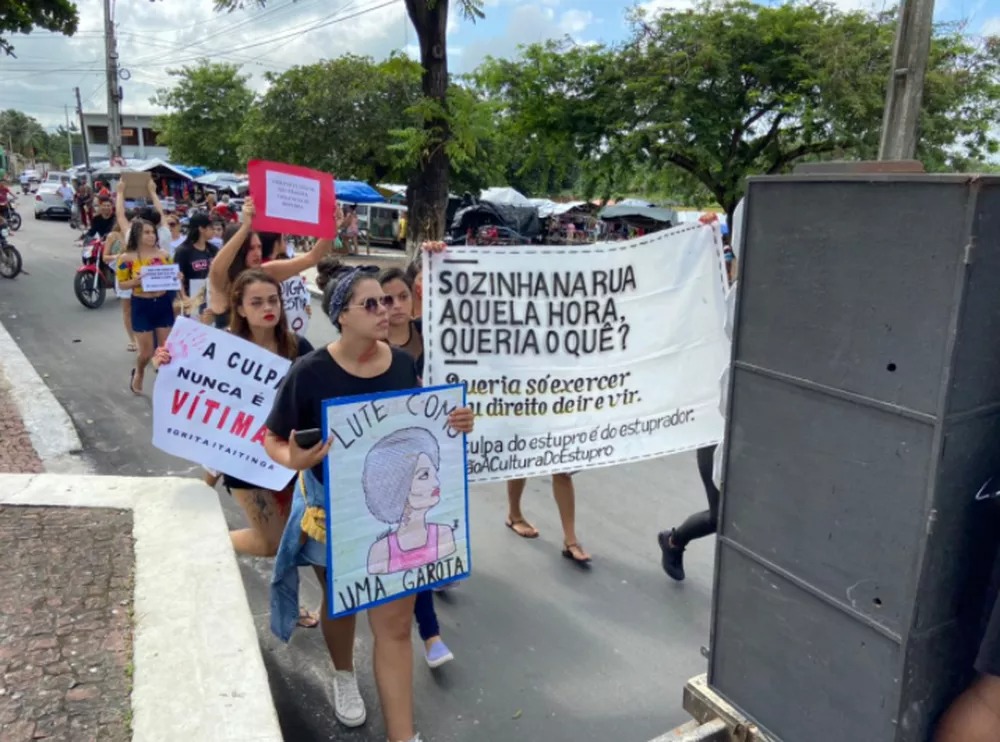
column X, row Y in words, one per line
column 288, row 346
column 239, row 263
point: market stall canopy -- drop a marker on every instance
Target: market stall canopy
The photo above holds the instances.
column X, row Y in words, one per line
column 224, row 182
column 393, row 192
column 159, row 168
column 356, row 192
column 521, row 219
column 547, row 208
column 620, row 212
column 505, row 196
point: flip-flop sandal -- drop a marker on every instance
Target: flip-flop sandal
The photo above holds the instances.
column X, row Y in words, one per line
column 131, row 384
column 513, row 524
column 131, row 348
column 568, row 553
column 307, row 620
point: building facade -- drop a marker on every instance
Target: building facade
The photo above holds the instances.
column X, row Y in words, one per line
column 139, row 137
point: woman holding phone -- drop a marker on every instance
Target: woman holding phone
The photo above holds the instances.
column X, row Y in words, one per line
column 360, row 361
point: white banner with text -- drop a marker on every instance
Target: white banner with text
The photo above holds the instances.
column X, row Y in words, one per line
column 211, row 401
column 580, row 357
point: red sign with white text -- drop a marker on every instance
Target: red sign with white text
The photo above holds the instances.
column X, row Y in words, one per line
column 292, row 200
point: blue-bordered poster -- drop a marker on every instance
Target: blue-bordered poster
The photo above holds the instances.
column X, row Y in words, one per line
column 397, row 500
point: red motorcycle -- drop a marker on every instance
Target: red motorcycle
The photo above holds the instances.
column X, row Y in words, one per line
column 95, row 277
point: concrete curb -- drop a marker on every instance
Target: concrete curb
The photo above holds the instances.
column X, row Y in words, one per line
column 52, row 432
column 199, row 673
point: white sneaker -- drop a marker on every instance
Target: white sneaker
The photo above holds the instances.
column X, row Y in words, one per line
column 348, row 706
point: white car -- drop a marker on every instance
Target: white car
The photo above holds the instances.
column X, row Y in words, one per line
column 48, row 202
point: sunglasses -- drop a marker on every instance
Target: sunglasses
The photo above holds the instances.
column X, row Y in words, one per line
column 172, row 224
column 372, row 304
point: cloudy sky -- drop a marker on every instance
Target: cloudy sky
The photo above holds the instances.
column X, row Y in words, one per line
column 163, row 34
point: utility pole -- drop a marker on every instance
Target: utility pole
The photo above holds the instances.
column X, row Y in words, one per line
column 69, row 137
column 901, row 120
column 83, row 132
column 111, row 62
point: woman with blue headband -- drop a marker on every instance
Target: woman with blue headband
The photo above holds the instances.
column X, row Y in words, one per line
column 360, row 361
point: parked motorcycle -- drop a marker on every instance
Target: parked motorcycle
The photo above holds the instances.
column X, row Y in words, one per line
column 10, row 258
column 95, row 277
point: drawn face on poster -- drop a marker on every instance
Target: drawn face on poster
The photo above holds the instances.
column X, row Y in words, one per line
column 398, row 504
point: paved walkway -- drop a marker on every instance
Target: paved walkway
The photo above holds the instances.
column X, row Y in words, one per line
column 65, row 611
column 16, row 453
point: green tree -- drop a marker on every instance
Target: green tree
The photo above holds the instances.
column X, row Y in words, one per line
column 22, row 16
column 550, row 104
column 207, row 106
column 23, row 132
column 427, row 195
column 335, row 116
column 739, row 88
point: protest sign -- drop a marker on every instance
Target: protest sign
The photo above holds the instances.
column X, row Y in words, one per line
column 397, row 498
column 614, row 359
column 199, row 296
column 136, row 184
column 292, row 200
column 210, row 403
column 295, row 297
column 161, row 277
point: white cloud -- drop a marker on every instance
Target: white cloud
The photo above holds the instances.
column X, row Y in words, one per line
column 574, row 22
column 155, row 37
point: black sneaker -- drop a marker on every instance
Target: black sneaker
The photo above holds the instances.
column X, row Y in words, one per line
column 673, row 556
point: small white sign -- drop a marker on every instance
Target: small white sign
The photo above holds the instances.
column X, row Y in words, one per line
column 292, row 197
column 161, row 277
column 295, row 296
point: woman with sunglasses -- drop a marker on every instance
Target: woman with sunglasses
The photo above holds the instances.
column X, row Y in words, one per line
column 360, row 361
column 176, row 235
column 243, row 250
column 405, row 334
column 152, row 312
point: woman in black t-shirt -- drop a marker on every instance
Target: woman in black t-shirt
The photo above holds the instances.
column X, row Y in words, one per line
column 260, row 320
column 359, row 362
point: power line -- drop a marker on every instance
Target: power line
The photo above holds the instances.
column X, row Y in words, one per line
column 283, row 37
column 228, row 29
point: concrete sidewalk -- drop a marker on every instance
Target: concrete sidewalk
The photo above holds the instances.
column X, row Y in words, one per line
column 124, row 613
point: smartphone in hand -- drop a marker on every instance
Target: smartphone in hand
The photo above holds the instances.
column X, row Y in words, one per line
column 308, row 438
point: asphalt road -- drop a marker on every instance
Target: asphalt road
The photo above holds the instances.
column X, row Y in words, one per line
column 544, row 650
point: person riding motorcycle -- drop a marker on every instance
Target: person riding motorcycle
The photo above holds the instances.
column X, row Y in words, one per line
column 103, row 221
column 6, row 197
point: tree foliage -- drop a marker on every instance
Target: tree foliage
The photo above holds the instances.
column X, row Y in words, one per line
column 335, row 116
column 22, row 16
column 207, row 106
column 697, row 100
column 28, row 138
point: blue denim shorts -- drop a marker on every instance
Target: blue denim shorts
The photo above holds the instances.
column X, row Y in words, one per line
column 314, row 552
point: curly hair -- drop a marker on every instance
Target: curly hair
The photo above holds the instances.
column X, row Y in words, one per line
column 389, row 468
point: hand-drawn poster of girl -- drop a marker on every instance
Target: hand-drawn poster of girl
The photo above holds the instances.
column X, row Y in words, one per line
column 401, row 486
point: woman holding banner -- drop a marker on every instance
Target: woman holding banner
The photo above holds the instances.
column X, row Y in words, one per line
column 244, row 249
column 360, row 361
column 152, row 311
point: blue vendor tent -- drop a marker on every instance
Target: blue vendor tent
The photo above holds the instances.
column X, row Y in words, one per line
column 356, row 192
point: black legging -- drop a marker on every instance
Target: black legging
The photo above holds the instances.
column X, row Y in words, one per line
column 704, row 523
